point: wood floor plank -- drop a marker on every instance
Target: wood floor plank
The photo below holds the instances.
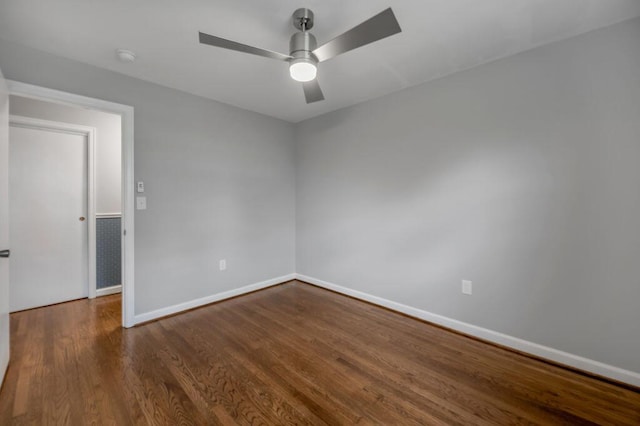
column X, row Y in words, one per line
column 290, row 354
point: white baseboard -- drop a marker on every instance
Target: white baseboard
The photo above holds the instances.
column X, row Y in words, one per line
column 170, row 310
column 109, row 290
column 546, row 352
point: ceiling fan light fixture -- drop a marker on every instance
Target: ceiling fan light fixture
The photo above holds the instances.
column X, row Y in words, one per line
column 303, row 70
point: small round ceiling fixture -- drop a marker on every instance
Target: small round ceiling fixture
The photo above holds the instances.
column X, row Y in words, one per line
column 125, row 56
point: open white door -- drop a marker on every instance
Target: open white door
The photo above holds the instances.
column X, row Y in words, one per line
column 4, row 228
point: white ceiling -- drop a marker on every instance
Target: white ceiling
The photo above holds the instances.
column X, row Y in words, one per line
column 439, row 37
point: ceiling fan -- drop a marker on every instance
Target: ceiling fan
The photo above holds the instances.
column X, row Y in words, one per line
column 305, row 54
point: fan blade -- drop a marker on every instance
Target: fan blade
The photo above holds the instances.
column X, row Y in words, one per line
column 232, row 45
column 384, row 24
column 312, row 91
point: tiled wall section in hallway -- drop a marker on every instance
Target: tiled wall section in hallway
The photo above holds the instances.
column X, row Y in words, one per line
column 108, row 264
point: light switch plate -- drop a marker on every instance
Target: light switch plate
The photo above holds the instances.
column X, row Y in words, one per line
column 141, row 203
column 140, row 187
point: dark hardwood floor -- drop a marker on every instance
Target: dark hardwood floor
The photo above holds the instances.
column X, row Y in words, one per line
column 291, row 354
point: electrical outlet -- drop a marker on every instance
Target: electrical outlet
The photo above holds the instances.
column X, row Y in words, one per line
column 466, row 287
column 141, row 203
column 223, row 265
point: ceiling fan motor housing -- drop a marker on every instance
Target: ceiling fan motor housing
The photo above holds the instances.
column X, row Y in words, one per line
column 302, row 44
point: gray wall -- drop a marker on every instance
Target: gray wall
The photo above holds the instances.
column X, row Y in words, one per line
column 108, row 144
column 521, row 175
column 219, row 182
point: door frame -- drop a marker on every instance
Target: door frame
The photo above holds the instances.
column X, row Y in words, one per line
column 128, row 235
column 90, row 134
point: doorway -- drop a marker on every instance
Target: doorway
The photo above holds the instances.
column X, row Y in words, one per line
column 126, row 231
